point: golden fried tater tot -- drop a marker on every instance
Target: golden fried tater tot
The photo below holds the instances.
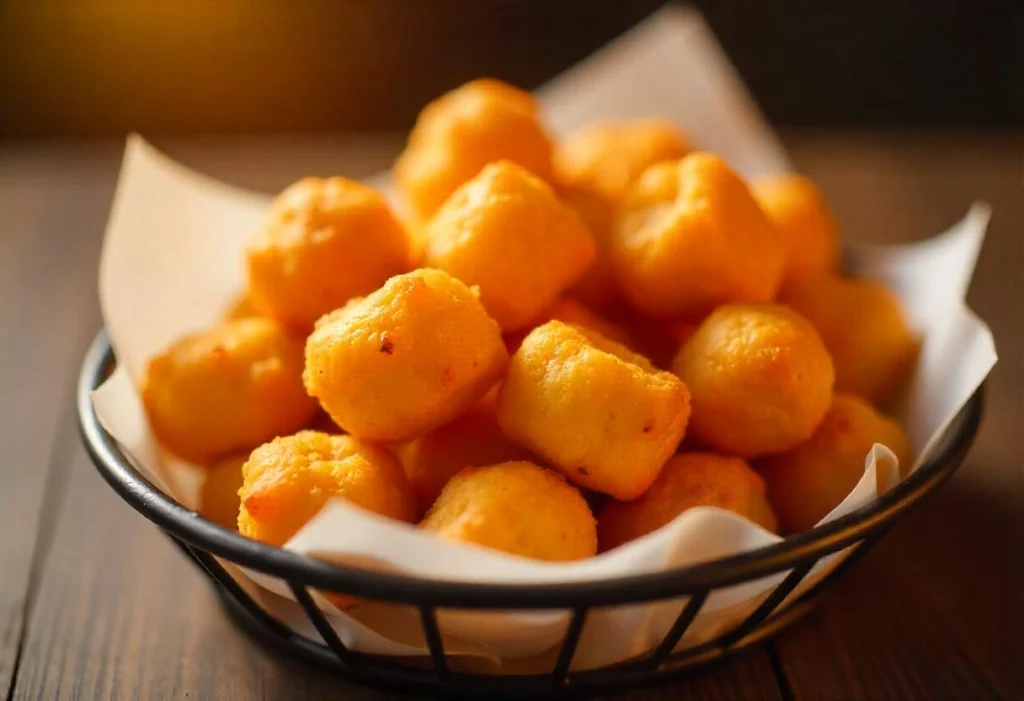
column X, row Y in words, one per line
column 324, row 242
column 406, row 359
column 691, row 237
column 606, row 158
column 473, row 439
column 506, row 232
column 760, row 377
column 865, row 330
column 461, row 132
column 686, row 481
column 594, row 168
column 227, row 389
column 570, row 311
column 804, row 220
column 487, row 506
column 595, row 410
column 807, row 482
column 287, row 482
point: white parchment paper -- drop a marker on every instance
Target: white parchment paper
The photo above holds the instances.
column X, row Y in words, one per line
column 173, row 263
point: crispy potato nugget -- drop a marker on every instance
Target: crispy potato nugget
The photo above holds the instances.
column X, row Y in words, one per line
column 324, row 242
column 218, row 499
column 226, row 389
column 760, row 377
column 594, row 168
column 461, row 132
column 406, row 359
column 287, row 482
column 474, row 439
column 686, row 481
column 806, row 483
column 598, row 412
column 506, row 232
column 570, row 311
column 606, row 158
column 865, row 330
column 485, row 506
column 690, row 237
column 804, row 221
column 597, row 287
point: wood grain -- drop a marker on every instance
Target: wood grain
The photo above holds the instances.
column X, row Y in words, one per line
column 933, row 612
column 50, row 220
column 928, row 615
column 122, row 615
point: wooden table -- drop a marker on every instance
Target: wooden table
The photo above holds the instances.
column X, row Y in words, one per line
column 96, row 604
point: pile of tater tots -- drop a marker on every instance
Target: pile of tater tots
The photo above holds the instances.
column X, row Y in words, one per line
column 551, row 349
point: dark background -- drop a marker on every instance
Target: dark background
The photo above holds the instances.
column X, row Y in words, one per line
column 104, row 67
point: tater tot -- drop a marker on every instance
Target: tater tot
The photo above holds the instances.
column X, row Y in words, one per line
column 595, row 410
column 218, row 499
column 865, row 330
column 760, row 377
column 324, row 242
column 686, row 481
column 570, row 311
column 506, row 232
column 473, row 439
column 227, row 389
column 594, row 168
column 287, row 481
column 606, row 158
column 807, row 482
column 597, row 287
column 690, row 236
column 461, row 132
column 405, row 359
column 803, row 219
column 517, row 508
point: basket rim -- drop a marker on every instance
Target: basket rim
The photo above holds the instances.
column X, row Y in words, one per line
column 187, row 525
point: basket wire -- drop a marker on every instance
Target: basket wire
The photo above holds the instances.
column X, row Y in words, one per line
column 204, row 542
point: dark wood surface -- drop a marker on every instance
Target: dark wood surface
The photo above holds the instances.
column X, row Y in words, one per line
column 96, row 604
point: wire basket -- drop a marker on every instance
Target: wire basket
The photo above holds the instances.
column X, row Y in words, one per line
column 204, row 541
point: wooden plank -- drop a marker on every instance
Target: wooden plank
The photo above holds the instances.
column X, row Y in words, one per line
column 747, row 676
column 47, row 260
column 936, row 610
column 122, row 615
column 928, row 615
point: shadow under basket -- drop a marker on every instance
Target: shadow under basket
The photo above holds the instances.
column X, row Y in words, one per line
column 203, row 542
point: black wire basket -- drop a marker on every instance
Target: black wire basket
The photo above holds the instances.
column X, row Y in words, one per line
column 204, row 541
